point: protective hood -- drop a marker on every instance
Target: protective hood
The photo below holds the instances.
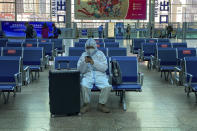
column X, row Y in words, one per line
column 91, row 42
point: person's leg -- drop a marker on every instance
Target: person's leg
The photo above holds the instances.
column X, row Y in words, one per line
column 86, row 84
column 86, row 92
column 103, row 84
column 103, row 97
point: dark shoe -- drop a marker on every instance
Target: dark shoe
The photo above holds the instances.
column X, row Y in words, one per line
column 85, row 108
column 103, row 108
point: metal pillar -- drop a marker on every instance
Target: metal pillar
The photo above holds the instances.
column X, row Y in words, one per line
column 68, row 14
column 151, row 17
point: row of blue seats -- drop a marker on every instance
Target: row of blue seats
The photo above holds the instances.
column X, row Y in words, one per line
column 49, row 47
column 32, row 57
column 57, row 43
column 10, row 76
column 150, row 49
column 190, row 75
column 77, row 51
column 137, row 42
column 185, row 69
column 99, row 40
column 163, row 45
column 132, row 79
column 169, row 60
column 104, row 45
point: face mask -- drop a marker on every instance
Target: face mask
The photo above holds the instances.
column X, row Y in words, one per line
column 90, row 51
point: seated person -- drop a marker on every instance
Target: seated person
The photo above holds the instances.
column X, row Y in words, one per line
column 92, row 66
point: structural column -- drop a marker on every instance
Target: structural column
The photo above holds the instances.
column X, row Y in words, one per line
column 68, row 14
column 151, row 17
column 0, row 26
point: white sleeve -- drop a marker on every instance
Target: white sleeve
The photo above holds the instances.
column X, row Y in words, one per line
column 82, row 66
column 100, row 63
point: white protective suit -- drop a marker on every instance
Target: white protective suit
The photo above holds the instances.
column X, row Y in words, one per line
column 94, row 74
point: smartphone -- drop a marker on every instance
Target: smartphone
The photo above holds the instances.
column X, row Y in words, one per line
column 89, row 57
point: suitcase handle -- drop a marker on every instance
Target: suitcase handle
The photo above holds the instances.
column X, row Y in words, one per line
column 63, row 61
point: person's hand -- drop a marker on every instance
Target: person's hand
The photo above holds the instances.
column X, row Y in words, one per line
column 89, row 60
column 86, row 59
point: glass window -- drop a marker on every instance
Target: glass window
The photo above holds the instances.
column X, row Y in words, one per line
column 7, row 7
column 33, row 10
column 7, row 0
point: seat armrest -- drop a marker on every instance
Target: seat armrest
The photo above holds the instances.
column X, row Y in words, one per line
column 177, row 69
column 190, row 78
column 26, row 68
column 158, row 64
column 42, row 62
column 18, row 78
column 131, row 48
column 55, row 52
column 141, row 78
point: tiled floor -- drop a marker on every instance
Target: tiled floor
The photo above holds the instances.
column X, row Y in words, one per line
column 160, row 107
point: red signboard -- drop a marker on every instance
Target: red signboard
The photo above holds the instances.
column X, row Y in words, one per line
column 29, row 45
column 151, row 41
column 164, row 46
column 11, row 51
column 186, row 51
column 136, row 10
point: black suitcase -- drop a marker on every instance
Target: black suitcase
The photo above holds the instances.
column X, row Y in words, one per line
column 64, row 92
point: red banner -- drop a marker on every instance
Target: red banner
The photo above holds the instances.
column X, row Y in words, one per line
column 110, row 9
column 136, row 10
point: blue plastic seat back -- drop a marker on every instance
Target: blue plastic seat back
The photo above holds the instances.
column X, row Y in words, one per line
column 12, row 51
column 190, row 67
column 128, row 67
column 104, row 50
column 47, row 47
column 31, row 40
column 186, row 52
column 32, row 55
column 58, row 44
column 14, row 44
column 63, row 65
column 149, row 49
column 151, row 40
column 3, row 42
column 112, row 45
column 117, row 52
column 168, row 56
column 137, row 43
column 109, row 40
column 101, row 44
column 9, row 66
column 30, row 44
column 75, row 51
column 1, row 51
column 99, row 40
column 79, row 44
column 179, row 45
column 163, row 40
column 83, row 40
column 16, row 40
column 164, row 45
column 44, row 40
